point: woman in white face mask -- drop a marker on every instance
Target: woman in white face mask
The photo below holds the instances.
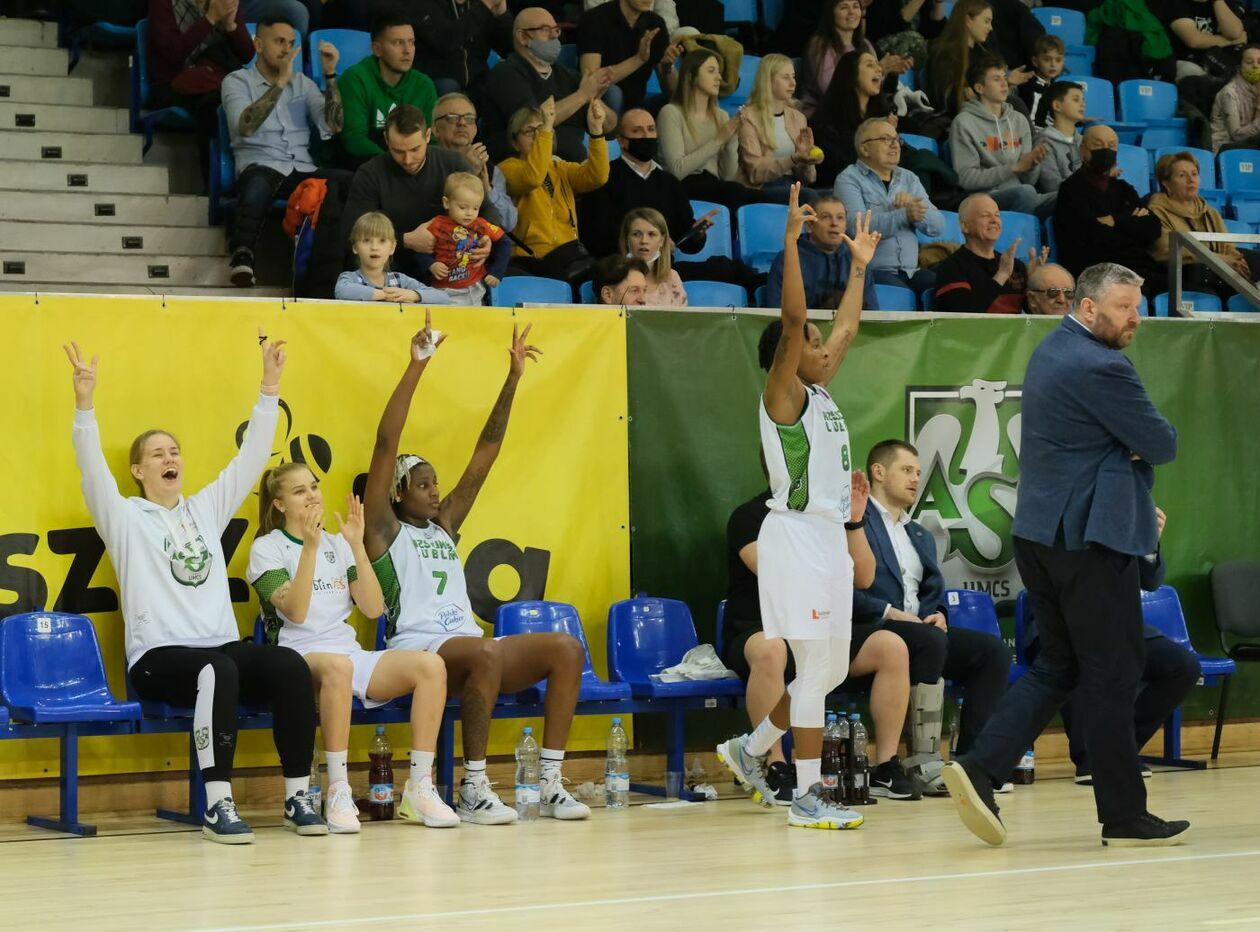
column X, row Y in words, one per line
column 645, row 235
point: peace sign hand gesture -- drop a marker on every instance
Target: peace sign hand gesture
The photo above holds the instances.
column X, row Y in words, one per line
column 798, row 214
column 521, row 351
column 84, row 375
column 862, row 244
column 425, row 343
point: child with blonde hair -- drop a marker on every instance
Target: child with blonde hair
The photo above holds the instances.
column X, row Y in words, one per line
column 372, row 239
column 456, row 234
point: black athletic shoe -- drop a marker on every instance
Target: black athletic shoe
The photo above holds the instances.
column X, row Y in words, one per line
column 242, row 264
column 1146, row 831
column 891, row 781
column 782, row 779
column 972, row 791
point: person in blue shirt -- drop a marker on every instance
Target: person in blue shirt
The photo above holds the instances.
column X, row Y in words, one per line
column 898, row 204
column 824, row 261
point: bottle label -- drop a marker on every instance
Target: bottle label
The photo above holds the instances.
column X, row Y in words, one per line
column 859, row 781
column 617, row 782
column 381, row 793
column 830, row 781
column 528, row 793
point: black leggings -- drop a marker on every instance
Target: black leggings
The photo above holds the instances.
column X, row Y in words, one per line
column 213, row 680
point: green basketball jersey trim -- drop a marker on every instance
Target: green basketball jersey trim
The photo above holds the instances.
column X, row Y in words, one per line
column 391, row 589
column 794, row 443
column 266, row 586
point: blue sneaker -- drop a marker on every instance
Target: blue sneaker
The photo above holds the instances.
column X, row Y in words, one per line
column 750, row 771
column 221, row 823
column 814, row 810
column 300, row 816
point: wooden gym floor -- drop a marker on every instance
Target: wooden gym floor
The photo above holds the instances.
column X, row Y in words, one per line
column 724, row 865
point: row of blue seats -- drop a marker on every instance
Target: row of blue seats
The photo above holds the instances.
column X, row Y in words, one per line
column 53, row 684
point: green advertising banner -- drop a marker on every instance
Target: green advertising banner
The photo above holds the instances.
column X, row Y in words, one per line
column 951, row 385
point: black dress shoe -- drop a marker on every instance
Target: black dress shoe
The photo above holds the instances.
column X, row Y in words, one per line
column 1146, row 831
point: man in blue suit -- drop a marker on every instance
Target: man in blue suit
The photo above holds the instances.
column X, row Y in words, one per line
column 907, row 598
column 1085, row 517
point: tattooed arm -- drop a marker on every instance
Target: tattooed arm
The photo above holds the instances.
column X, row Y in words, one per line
column 334, row 115
column 456, row 506
column 253, row 116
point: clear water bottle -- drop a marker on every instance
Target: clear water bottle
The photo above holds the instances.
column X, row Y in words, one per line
column 617, row 768
column 528, row 792
column 954, row 728
column 832, row 767
column 1025, row 770
column 861, row 775
column 381, row 778
column 315, row 792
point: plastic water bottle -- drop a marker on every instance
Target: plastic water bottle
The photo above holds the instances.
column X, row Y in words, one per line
column 954, row 728
column 315, row 792
column 861, row 776
column 617, row 768
column 381, row 778
column 832, row 766
column 528, row 792
column 1025, row 770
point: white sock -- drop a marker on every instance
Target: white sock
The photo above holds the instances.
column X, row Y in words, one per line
column 763, row 737
column 421, row 768
column 808, row 772
column 338, row 772
column 216, row 790
column 295, row 785
column 551, row 762
column 474, row 769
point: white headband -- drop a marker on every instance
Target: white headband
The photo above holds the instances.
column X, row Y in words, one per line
column 402, row 474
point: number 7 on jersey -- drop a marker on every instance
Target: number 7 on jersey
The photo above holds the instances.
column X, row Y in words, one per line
column 441, row 578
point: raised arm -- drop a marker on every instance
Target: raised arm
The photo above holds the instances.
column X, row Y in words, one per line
column 365, row 588
column 785, row 395
column 455, row 507
column 859, row 545
column 845, row 325
column 380, row 522
column 100, row 491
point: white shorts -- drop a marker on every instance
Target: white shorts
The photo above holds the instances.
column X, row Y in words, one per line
column 804, row 577
column 363, row 665
column 430, row 641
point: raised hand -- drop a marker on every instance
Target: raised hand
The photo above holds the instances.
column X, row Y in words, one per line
column 645, row 45
column 863, row 242
column 732, row 125
column 595, row 112
column 310, row 523
column 1006, row 264
column 548, row 110
column 328, row 57
column 1021, row 75
column 479, row 156
column 1035, row 260
column 351, row 526
column 860, row 494
column 84, row 377
column 273, row 358
column 798, row 214
column 425, row 343
column 521, row 351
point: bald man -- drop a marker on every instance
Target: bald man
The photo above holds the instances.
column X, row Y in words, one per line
column 977, row 279
column 1050, row 290
column 1099, row 217
column 529, row 76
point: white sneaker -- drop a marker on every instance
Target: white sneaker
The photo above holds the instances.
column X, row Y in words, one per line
column 340, row 812
column 424, row 805
column 558, row 803
column 749, row 771
column 479, row 803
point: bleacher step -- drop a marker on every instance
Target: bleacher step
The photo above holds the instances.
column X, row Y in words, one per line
column 29, row 33
column 83, row 176
column 52, row 62
column 113, row 239
column 41, row 89
column 59, row 148
column 133, row 209
column 63, row 119
column 202, row 291
column 158, row 272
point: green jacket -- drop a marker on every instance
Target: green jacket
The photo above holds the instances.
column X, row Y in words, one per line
column 1134, row 16
column 367, row 100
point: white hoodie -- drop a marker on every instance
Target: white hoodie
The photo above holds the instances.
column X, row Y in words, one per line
column 170, row 564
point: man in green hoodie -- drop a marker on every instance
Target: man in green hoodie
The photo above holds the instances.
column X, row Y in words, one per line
column 376, row 85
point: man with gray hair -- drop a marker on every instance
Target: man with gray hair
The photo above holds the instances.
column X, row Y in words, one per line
column 1085, row 517
column 1050, row 290
column 455, row 128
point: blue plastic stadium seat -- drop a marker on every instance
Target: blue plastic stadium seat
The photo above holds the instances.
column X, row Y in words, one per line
column 1078, row 61
column 975, row 611
column 926, row 143
column 559, row 618
column 1068, row 25
column 896, row 298
column 739, row 11
column 1242, row 303
column 747, row 77
column 715, row 294
column 772, row 13
column 1135, row 168
column 719, row 240
column 927, row 299
column 719, row 633
column 142, row 118
column 586, row 293
column 761, row 229
column 1199, row 301
column 1026, row 226
column 1161, row 610
column 530, row 289
column 354, row 45
column 759, row 296
column 1100, row 97
column 568, row 56
column 1240, row 177
column 1153, row 104
column 614, row 149
column 952, row 233
column 646, row 635
column 51, row 671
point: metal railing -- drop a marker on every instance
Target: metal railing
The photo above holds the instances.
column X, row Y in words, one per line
column 1197, row 245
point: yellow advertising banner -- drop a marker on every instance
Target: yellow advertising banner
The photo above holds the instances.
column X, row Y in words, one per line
column 552, row 519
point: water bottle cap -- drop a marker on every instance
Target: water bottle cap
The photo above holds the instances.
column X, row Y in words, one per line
column 833, row 717
column 529, row 730
column 854, row 717
column 616, row 719
column 380, row 729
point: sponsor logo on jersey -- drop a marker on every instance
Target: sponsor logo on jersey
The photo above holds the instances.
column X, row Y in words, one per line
column 201, row 737
column 968, row 437
column 190, row 564
column 834, row 422
column 330, row 585
column 450, row 616
column 816, row 615
column 330, row 556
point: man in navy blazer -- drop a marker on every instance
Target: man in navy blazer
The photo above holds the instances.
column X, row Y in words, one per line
column 907, row 598
column 1091, row 441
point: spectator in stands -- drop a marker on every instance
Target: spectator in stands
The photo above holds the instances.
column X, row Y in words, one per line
column 545, row 190
column 406, row 185
column 1047, row 62
column 825, row 261
column 645, row 236
column 1050, row 290
column 776, row 147
column 270, row 108
column 991, row 144
column 193, row 46
column 1015, row 33
column 380, row 82
column 455, row 128
column 1180, row 209
column 878, row 661
column 1236, row 110
column 457, row 234
column 908, row 595
column 855, row 95
column 840, row 30
column 1100, row 218
column 373, row 243
column 905, row 27
column 1066, row 104
column 976, row 279
column 665, row 9
column 950, row 55
column 457, row 36
column 631, row 41
column 1206, row 36
column 529, row 76
column 620, row 280
column 898, row 206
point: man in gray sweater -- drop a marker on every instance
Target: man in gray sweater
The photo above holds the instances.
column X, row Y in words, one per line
column 991, row 144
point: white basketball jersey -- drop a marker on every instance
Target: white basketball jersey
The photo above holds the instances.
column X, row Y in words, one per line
column 809, row 461
column 423, row 584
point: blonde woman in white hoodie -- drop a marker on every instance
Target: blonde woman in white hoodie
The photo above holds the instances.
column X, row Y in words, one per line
column 183, row 645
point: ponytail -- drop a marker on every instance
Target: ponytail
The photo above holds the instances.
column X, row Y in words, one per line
column 269, row 517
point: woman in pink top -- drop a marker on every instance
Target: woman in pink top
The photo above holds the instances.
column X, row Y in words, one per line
column 645, row 235
column 841, row 28
column 775, row 145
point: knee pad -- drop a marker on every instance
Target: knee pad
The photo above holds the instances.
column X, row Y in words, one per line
column 923, row 723
column 813, row 682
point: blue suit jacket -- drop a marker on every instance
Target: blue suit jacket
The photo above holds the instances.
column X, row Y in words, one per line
column 1084, row 412
column 887, row 589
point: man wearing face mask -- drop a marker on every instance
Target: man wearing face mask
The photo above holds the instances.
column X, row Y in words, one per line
column 1100, row 218
column 529, row 76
